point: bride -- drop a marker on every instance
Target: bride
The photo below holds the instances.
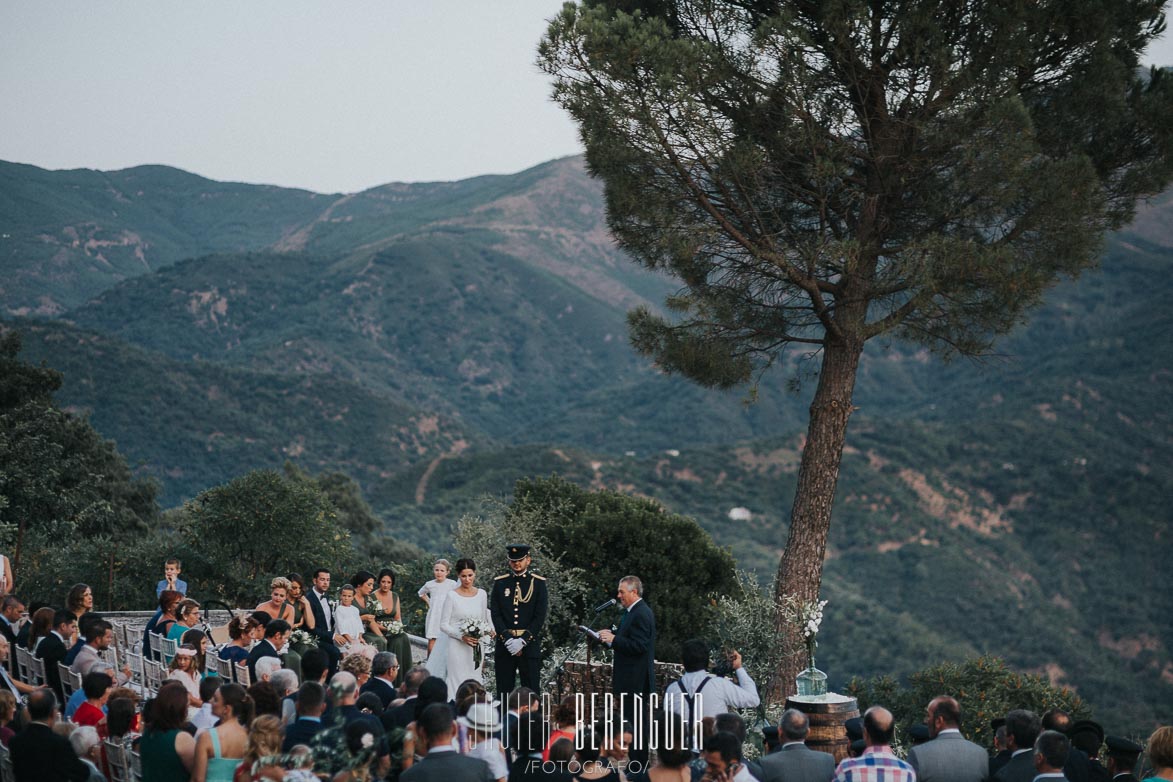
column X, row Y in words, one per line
column 464, row 603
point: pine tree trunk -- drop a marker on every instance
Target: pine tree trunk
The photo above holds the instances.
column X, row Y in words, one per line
column 800, row 570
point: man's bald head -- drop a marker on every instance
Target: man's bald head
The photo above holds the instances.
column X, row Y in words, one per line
column 878, row 726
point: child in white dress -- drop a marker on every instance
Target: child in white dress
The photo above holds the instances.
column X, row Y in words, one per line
column 432, row 593
column 348, row 625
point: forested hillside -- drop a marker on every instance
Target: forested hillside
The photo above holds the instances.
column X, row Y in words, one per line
column 439, row 341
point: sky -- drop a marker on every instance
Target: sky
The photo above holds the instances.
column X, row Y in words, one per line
column 331, row 97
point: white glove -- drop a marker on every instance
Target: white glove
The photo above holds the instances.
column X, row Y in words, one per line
column 515, row 645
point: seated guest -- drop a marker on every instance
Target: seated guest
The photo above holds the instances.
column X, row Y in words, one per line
column 96, row 686
column 284, row 681
column 7, row 715
column 83, row 626
column 673, row 755
column 11, row 611
column 39, row 625
column 1087, row 736
column 240, row 634
column 88, row 747
column 359, row 666
column 183, row 671
column 436, row 729
column 51, row 648
column 168, row 751
column 348, row 626
column 384, row 669
column 311, row 703
column 265, row 699
column 161, row 622
column 1160, row 754
column 276, row 634
column 1078, row 768
column 218, row 751
column 722, row 754
column 204, row 719
column 483, row 724
column 198, row 640
column 99, row 635
column 79, row 695
column 187, row 616
column 8, row 683
column 264, row 741
column 39, row 754
column 266, row 667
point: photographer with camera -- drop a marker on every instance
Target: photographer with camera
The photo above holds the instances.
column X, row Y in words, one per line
column 701, row 693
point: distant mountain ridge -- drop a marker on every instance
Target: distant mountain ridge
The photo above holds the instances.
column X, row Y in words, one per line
column 438, row 341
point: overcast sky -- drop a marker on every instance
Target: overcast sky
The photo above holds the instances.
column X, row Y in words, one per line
column 333, row 97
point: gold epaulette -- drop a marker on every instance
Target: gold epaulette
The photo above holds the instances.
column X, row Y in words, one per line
column 535, row 575
column 507, row 575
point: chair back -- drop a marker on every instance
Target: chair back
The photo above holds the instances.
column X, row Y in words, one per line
column 222, row 668
column 136, row 765
column 37, row 671
column 135, row 661
column 7, row 774
column 133, row 637
column 169, row 647
column 156, row 642
column 70, row 679
column 117, row 761
column 152, row 676
column 22, row 664
column 243, row 677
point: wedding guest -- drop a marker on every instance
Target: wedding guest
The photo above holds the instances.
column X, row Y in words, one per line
column 187, row 616
column 565, row 719
column 483, row 724
column 218, row 751
column 171, row 580
column 97, row 687
column 87, row 745
column 182, row 670
column 40, row 624
column 264, row 741
column 167, row 750
column 265, row 699
column 364, row 586
column 161, row 622
column 347, row 622
column 7, row 715
column 432, row 593
column 79, row 601
column 389, row 616
column 198, row 640
column 357, row 665
column 1161, row 754
column 240, row 634
column 204, row 718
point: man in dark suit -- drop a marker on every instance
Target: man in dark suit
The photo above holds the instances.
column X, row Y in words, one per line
column 276, row 633
column 51, row 649
column 319, row 599
column 384, row 669
column 311, row 702
column 1050, row 755
column 402, row 715
column 633, row 672
column 39, row 754
column 1078, row 768
column 1122, row 757
column 443, row 763
column 795, row 761
column 1087, row 736
column 1022, row 728
column 948, row 756
column 10, row 612
column 518, row 606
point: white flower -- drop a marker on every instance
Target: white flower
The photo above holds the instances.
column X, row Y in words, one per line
column 368, row 741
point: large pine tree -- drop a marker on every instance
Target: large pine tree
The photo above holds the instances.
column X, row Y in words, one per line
column 818, row 173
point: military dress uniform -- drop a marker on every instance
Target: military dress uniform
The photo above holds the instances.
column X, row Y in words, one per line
column 518, row 606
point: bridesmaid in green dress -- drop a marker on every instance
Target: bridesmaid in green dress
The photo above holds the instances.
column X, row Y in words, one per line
column 364, row 585
column 303, row 615
column 388, row 610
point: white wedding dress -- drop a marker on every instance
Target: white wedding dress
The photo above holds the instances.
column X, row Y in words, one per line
column 456, row 609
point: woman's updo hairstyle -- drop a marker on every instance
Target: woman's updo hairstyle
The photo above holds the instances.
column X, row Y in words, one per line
column 237, row 698
column 464, row 563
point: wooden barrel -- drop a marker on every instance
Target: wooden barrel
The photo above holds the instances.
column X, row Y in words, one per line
column 828, row 715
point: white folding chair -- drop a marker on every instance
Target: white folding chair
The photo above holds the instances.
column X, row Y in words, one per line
column 116, row 759
column 156, row 643
column 136, row 765
column 37, row 671
column 70, row 679
column 243, row 677
column 222, row 668
column 7, row 774
column 22, row 664
column 168, row 647
column 135, row 661
column 152, row 676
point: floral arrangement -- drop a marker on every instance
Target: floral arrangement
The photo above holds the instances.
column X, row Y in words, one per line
column 391, row 626
column 301, row 637
column 807, row 616
column 479, row 629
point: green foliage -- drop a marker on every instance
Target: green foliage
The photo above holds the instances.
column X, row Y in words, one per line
column 984, row 687
column 69, row 499
column 602, row 536
column 256, row 527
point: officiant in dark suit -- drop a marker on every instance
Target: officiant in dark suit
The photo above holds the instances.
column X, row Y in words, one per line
column 633, row 677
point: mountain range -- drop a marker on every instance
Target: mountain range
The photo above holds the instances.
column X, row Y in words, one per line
column 438, row 341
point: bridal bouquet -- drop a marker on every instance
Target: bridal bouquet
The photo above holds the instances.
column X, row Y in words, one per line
column 301, row 637
column 479, row 629
column 391, row 626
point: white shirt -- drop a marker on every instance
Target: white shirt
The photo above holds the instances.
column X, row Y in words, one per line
column 348, row 622
column 324, row 601
column 719, row 696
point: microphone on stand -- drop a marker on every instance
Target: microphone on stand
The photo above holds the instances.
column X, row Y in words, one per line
column 605, row 606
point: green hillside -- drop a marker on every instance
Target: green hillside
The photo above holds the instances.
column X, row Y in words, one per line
column 440, row 341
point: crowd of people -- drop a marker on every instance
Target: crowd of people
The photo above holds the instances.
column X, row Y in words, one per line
column 321, row 685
